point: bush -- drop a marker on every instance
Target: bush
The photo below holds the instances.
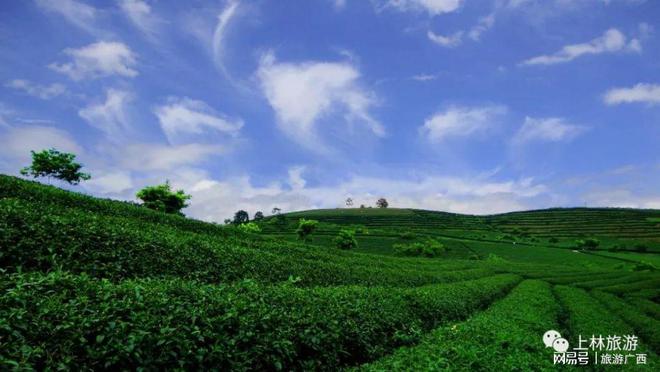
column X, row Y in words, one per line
column 407, row 235
column 161, row 198
column 64, row 321
column 250, row 227
column 590, row 244
column 428, row 248
column 305, row 228
column 346, row 239
column 505, row 335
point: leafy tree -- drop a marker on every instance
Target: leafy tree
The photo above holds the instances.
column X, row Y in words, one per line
column 349, row 202
column 227, row 221
column 250, row 227
column 346, row 239
column 52, row 163
column 258, row 216
column 382, row 203
column 305, row 228
column 162, row 198
column 276, row 210
column 241, row 217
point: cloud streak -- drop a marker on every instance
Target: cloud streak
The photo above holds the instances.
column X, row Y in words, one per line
column 640, row 93
column 612, row 41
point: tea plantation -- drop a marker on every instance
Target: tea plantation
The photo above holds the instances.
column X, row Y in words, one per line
column 93, row 284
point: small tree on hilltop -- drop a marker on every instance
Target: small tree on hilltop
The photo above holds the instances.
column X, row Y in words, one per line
column 382, row 203
column 305, row 228
column 52, row 163
column 241, row 217
column 349, row 202
column 162, row 198
column 276, row 210
column 258, row 216
column 346, row 239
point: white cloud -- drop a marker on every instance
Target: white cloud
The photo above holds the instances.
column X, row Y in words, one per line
column 219, row 35
column 547, row 129
column 425, row 77
column 17, row 142
column 187, row 116
column 139, row 13
column 611, row 41
column 149, row 157
column 432, row 7
column 303, row 93
column 622, row 198
column 450, row 41
column 110, row 183
column 461, row 121
column 643, row 93
column 109, row 116
column 100, row 59
column 484, row 24
column 218, row 199
column 78, row 13
column 37, row 90
column 296, row 181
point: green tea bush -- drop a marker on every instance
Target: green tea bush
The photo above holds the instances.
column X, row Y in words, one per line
column 65, row 321
column 45, row 237
column 506, row 337
column 427, row 248
column 645, row 327
column 345, row 239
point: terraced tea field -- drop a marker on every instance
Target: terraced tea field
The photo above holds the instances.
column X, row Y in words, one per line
column 97, row 284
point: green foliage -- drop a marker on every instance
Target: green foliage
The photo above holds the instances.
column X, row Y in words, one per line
column 305, row 228
column 407, row 235
column 52, row 163
column 346, row 239
column 382, row 203
column 241, row 217
column 645, row 327
column 258, row 216
column 250, row 227
column 161, row 198
column 589, row 244
column 506, row 336
column 427, row 248
column 156, row 324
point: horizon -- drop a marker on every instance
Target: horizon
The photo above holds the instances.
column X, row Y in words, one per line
column 445, row 105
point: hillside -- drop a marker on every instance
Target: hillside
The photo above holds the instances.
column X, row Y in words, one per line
column 627, row 234
column 87, row 283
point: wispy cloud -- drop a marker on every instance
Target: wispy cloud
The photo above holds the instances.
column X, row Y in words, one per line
column 547, row 130
column 461, row 121
column 37, row 90
column 140, row 14
column 185, row 116
column 103, row 58
column 219, row 35
column 78, row 13
column 432, row 7
column 449, row 41
column 612, row 41
column 109, row 116
column 302, row 93
column 640, row 93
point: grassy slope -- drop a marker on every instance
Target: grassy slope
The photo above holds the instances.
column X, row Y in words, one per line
column 521, row 236
column 177, row 284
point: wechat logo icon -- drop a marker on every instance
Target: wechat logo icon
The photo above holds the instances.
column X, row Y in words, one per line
column 554, row 340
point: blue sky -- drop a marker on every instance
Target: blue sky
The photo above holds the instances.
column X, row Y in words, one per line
column 457, row 105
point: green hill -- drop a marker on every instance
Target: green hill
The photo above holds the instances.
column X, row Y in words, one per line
column 87, row 283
